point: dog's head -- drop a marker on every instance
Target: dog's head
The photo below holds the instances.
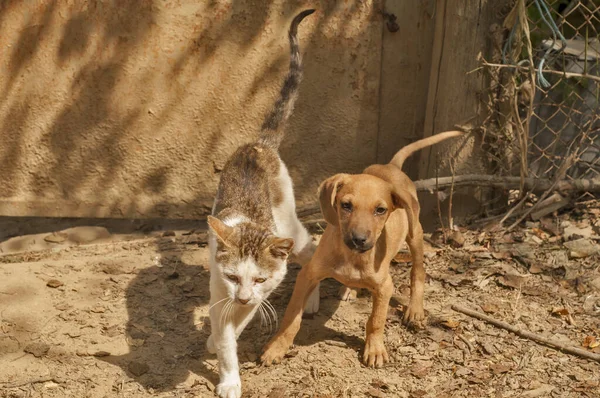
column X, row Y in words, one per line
column 360, row 206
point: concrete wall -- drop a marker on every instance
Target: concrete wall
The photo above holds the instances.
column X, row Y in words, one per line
column 130, row 108
column 113, row 108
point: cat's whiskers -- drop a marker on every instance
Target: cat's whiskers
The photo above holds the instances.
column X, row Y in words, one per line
column 220, row 301
column 226, row 308
column 267, row 316
column 230, row 313
column 263, row 319
column 273, row 312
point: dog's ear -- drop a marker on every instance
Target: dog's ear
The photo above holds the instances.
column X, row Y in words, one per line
column 403, row 199
column 327, row 193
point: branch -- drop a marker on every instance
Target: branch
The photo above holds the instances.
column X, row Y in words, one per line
column 550, row 71
column 529, row 335
column 35, row 380
column 530, row 184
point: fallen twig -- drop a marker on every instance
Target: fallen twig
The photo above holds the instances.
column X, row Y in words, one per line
column 467, row 342
column 529, row 335
column 41, row 379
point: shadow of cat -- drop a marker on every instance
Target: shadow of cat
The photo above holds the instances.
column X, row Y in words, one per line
column 165, row 341
column 168, row 343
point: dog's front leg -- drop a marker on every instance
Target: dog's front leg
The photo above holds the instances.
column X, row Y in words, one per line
column 375, row 353
column 415, row 313
column 306, row 282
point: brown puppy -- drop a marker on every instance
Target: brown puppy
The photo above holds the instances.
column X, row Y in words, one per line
column 368, row 217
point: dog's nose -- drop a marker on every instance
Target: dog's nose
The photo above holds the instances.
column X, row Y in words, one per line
column 242, row 301
column 359, row 240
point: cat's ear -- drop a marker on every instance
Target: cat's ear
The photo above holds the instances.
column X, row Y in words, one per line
column 281, row 247
column 220, row 229
column 327, row 196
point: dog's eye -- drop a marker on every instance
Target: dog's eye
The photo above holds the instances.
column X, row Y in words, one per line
column 233, row 278
column 347, row 206
column 260, row 280
column 380, row 210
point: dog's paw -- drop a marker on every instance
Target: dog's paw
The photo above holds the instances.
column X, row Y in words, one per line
column 274, row 351
column 312, row 303
column 347, row 293
column 231, row 389
column 414, row 315
column 210, row 345
column 375, row 354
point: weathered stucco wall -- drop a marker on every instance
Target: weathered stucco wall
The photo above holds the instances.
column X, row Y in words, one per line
column 129, row 109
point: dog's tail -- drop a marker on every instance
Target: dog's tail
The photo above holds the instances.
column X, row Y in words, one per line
column 270, row 132
column 404, row 153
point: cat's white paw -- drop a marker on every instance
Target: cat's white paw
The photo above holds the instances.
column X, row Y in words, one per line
column 312, row 304
column 229, row 390
column 210, row 345
column 347, row 293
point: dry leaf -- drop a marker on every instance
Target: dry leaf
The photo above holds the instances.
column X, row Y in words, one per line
column 277, row 392
column 492, row 226
column 560, row 311
column 590, row 342
column 373, row 392
column 379, row 384
column 420, row 370
column 402, row 258
column 548, row 225
column 499, row 368
column 456, row 239
column 458, row 268
column 514, row 281
column 535, row 269
column 450, row 323
column 539, row 233
column 489, row 308
column 504, row 255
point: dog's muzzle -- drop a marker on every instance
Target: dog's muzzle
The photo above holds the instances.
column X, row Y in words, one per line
column 358, row 242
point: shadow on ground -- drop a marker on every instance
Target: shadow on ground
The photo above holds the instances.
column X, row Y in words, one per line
column 167, row 326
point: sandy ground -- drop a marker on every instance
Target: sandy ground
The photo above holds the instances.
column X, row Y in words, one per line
column 122, row 312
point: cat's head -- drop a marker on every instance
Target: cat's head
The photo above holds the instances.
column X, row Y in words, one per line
column 251, row 259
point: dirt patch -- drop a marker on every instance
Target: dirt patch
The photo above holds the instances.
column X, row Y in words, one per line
column 129, row 317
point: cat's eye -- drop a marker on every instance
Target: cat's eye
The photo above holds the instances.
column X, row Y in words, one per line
column 233, row 278
column 346, row 206
column 380, row 210
column 260, row 280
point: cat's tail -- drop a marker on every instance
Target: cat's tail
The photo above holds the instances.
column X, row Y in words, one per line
column 271, row 134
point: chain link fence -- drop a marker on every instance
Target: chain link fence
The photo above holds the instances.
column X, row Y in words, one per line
column 543, row 109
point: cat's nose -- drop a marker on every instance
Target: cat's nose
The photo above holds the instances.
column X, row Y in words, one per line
column 242, row 301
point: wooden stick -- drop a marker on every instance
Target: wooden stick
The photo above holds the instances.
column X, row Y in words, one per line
column 529, row 335
column 591, row 185
column 35, row 380
column 550, row 71
column 532, row 184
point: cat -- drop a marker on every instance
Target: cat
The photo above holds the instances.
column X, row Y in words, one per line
column 253, row 230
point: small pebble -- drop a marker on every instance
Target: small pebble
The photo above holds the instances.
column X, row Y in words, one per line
column 54, row 283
